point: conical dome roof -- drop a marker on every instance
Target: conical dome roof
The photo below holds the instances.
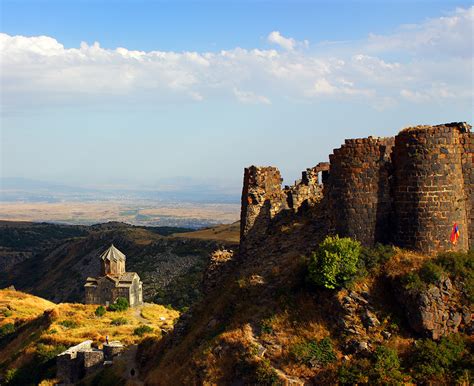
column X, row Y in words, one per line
column 112, row 254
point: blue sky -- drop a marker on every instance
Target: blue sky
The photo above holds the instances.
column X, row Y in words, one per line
column 203, row 89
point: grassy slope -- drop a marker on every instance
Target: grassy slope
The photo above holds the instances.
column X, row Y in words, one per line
column 42, row 325
column 229, row 233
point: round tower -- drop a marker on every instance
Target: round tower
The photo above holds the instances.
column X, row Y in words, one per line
column 358, row 189
column 428, row 188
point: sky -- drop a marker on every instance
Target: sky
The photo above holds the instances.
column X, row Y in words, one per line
column 131, row 93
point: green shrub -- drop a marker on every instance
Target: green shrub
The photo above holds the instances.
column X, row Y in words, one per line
column 10, row 376
column 100, row 311
column 311, row 351
column 45, row 353
column 354, row 373
column 460, row 266
column 7, row 313
column 386, row 369
column 434, row 360
column 69, row 323
column 265, row 374
column 119, row 321
column 334, row 262
column 121, row 304
column 431, row 272
column 372, row 258
column 142, row 330
column 7, row 329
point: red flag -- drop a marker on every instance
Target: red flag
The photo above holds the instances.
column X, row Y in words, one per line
column 455, row 234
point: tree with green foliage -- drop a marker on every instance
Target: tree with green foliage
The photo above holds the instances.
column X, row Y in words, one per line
column 335, row 262
column 386, row 369
column 100, row 311
column 121, row 304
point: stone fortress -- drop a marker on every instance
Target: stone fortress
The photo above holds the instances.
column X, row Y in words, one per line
column 408, row 191
column 114, row 281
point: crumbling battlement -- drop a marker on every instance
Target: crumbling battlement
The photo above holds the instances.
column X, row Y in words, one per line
column 408, row 190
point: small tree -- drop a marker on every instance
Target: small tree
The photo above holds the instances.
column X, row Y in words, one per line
column 100, row 311
column 334, row 262
column 121, row 304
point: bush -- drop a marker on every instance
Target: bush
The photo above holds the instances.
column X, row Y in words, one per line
column 7, row 329
column 434, row 361
column 334, row 262
column 354, row 373
column 312, row 351
column 69, row 323
column 119, row 321
column 265, row 374
column 386, row 369
column 7, row 313
column 121, row 304
column 142, row 330
column 372, row 258
column 100, row 311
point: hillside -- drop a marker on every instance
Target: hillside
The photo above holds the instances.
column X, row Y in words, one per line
column 33, row 331
column 264, row 323
column 53, row 261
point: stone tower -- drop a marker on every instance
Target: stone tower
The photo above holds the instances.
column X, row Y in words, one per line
column 432, row 185
column 112, row 262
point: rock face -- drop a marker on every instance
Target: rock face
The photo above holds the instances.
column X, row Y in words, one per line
column 408, row 190
column 436, row 311
column 220, row 264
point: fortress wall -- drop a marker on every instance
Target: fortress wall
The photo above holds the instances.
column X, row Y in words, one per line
column 428, row 188
column 358, row 192
column 308, row 191
column 262, row 199
column 467, row 141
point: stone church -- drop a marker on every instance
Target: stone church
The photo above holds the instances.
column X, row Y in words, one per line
column 114, row 281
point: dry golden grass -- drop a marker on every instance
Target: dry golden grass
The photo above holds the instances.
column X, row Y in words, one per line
column 404, row 262
column 228, row 232
column 69, row 324
column 20, row 306
column 78, row 322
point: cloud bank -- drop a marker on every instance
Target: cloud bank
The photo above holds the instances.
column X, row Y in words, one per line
column 422, row 63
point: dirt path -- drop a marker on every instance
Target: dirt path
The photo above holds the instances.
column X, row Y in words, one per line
column 137, row 313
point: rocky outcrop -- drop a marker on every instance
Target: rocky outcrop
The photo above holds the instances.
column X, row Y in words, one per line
column 219, row 266
column 435, row 311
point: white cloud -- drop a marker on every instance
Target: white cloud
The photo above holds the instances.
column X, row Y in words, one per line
column 418, row 63
column 276, row 37
column 248, row 97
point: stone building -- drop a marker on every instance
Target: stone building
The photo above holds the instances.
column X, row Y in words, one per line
column 114, row 281
column 408, row 191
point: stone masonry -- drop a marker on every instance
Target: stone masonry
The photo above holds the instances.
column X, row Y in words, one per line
column 359, row 190
column 408, row 190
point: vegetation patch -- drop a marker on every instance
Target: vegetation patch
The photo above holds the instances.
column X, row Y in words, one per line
column 314, row 353
column 456, row 265
column 121, row 304
column 100, row 311
column 142, row 330
column 119, row 321
column 335, row 262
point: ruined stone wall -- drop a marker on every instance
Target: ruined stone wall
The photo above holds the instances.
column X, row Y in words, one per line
column 467, row 141
column 358, row 190
column 262, row 199
column 408, row 190
column 428, row 188
column 308, row 191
